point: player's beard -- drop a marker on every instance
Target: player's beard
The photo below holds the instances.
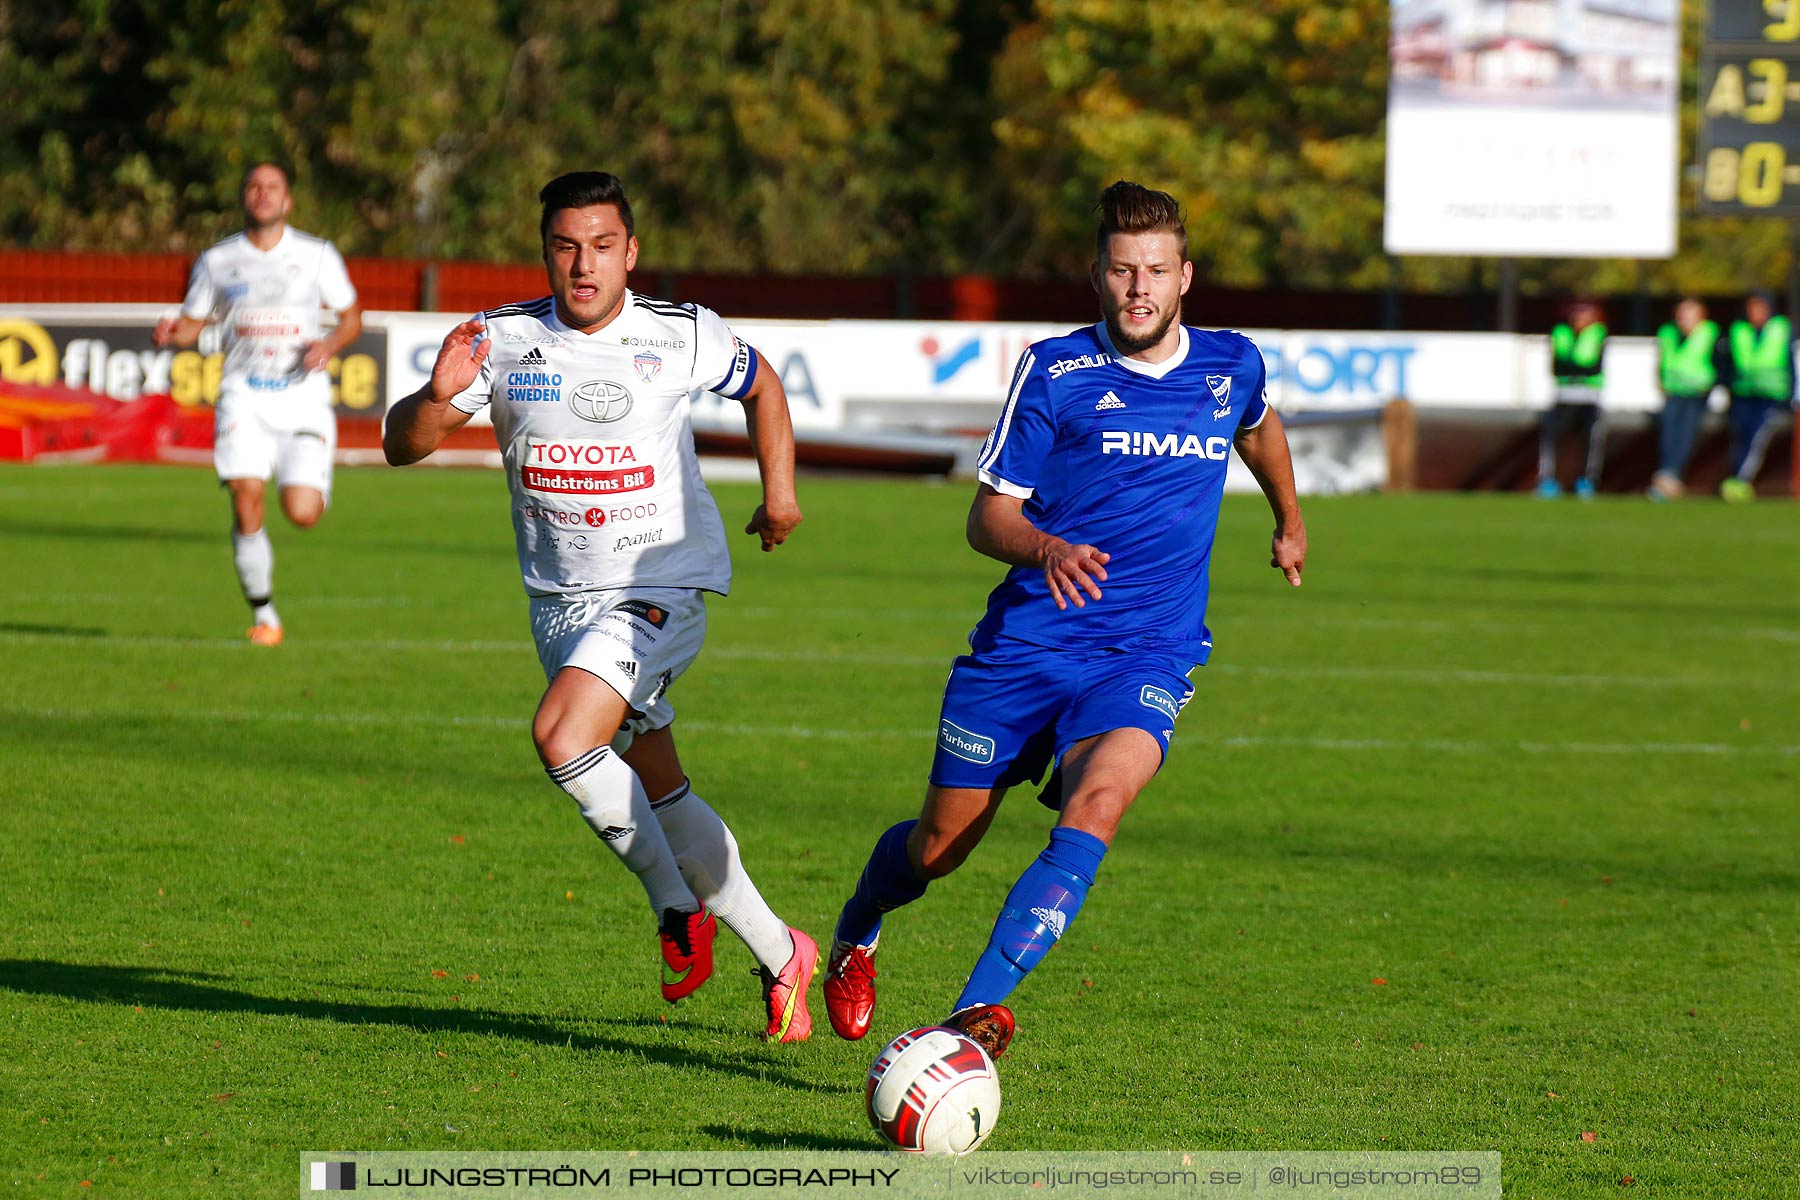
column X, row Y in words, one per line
column 1131, row 344
column 593, row 311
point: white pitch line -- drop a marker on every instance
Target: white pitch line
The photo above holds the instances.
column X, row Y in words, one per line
column 1310, row 618
column 1472, row 675
column 936, row 662
column 1463, row 626
column 297, row 604
column 283, row 717
column 960, row 624
column 803, row 732
column 159, row 641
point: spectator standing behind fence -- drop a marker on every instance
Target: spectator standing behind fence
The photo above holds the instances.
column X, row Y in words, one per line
column 1577, row 352
column 1687, row 349
column 1762, row 386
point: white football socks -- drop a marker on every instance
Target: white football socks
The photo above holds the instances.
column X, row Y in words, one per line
column 614, row 805
column 708, row 857
column 254, row 558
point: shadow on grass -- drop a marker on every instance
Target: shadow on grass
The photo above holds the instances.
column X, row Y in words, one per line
column 73, row 631
column 496, row 757
column 186, row 990
column 763, row 1139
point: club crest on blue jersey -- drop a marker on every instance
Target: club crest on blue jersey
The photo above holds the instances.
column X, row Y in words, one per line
column 1220, row 387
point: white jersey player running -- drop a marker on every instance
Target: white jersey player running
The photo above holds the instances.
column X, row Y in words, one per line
column 267, row 287
column 619, row 541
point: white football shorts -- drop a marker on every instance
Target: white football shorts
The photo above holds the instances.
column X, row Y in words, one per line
column 250, row 443
column 637, row 641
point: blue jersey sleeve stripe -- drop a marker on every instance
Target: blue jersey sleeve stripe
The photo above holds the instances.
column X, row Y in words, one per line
column 1006, row 414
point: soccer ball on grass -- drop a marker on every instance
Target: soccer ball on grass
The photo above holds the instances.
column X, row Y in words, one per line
column 933, row 1091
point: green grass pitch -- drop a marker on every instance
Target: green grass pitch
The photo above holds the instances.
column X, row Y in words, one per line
column 1486, row 839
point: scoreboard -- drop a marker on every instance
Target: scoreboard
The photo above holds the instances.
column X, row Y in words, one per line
column 1750, row 109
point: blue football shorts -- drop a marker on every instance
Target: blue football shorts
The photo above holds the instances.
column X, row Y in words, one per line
column 1013, row 708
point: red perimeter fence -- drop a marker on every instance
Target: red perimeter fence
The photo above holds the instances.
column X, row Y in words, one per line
column 49, row 277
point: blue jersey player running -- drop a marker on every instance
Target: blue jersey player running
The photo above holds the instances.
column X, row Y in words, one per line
column 1100, row 484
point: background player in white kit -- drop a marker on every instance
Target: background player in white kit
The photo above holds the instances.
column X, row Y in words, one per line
column 618, row 542
column 267, row 285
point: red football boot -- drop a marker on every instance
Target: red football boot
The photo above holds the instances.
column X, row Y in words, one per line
column 687, row 951
column 785, row 994
column 850, row 989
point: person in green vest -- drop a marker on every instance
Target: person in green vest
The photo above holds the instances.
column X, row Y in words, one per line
column 1577, row 352
column 1687, row 369
column 1762, row 388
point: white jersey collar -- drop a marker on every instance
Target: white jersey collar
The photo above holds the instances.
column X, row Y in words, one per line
column 1139, row 366
column 276, row 248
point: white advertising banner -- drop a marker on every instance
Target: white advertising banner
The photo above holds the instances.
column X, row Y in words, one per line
column 1533, row 127
column 899, row 366
column 796, row 349
column 1318, row 370
column 943, row 360
column 850, row 375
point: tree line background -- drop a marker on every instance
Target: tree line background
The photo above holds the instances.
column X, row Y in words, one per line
column 785, row 136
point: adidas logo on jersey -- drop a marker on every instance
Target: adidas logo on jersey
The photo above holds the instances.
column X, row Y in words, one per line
column 1054, row 918
column 630, row 668
column 1109, row 401
column 533, row 357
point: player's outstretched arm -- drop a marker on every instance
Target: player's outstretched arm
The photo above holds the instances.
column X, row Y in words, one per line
column 1265, row 451
column 418, row 424
column 999, row 529
column 772, row 439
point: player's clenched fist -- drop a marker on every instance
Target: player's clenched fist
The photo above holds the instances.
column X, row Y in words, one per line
column 459, row 360
column 774, row 525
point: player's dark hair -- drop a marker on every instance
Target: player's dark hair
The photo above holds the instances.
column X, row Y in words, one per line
column 584, row 189
column 287, row 176
column 1128, row 207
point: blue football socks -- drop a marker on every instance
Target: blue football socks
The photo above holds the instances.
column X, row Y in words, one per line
column 1037, row 911
column 888, row 882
